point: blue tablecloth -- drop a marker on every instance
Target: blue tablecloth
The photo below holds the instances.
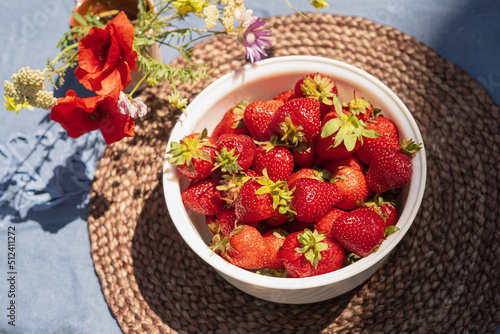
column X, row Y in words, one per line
column 45, row 176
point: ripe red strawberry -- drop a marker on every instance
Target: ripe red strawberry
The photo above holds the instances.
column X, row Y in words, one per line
column 332, row 166
column 295, row 225
column 325, row 224
column 194, row 155
column 304, row 154
column 390, row 167
column 309, row 253
column 246, row 248
column 261, row 199
column 259, row 118
column 341, row 135
column 222, row 224
column 297, row 121
column 285, row 96
column 320, row 87
column 234, row 152
column 306, row 172
column 250, row 206
column 312, row 199
column 386, row 209
column 213, row 224
column 389, row 137
column 274, row 240
column 278, row 161
column 227, row 221
column 230, row 185
column 359, row 231
column 202, row 196
column 359, row 107
column 352, row 182
column 278, row 219
column 231, row 122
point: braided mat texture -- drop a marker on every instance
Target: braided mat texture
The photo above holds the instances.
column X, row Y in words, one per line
column 444, row 277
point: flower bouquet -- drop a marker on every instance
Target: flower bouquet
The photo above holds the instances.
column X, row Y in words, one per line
column 105, row 53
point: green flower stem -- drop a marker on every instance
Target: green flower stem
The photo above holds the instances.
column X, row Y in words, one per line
column 56, row 59
column 139, row 83
column 291, row 7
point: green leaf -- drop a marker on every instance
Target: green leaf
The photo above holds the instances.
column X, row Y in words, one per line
column 190, row 165
column 321, row 246
column 370, row 133
column 93, row 21
column 331, row 127
column 350, row 142
column 337, row 105
column 313, row 257
column 263, row 190
column 339, row 137
column 281, row 234
column 201, row 155
column 351, row 258
column 79, row 18
column 204, row 134
column 391, row 229
column 276, row 201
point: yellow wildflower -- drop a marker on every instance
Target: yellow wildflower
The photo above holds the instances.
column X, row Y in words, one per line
column 11, row 104
column 186, row 6
column 319, row 4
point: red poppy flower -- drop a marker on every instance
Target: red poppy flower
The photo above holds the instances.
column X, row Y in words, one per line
column 106, row 58
column 81, row 115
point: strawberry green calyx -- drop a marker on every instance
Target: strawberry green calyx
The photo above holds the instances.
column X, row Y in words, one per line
column 339, row 177
column 239, row 110
column 275, row 141
column 376, row 203
column 348, row 129
column 351, row 258
column 227, row 161
column 359, row 106
column 390, row 230
column 312, row 245
column 322, row 175
column 230, row 184
column 410, row 148
column 279, row 192
column 269, row 145
column 319, row 87
column 220, row 244
column 188, row 149
column 379, row 201
column 377, row 112
column 292, row 134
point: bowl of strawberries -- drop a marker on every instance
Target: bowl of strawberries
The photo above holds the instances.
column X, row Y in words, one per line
column 295, row 177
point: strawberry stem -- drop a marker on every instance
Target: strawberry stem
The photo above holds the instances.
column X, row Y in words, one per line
column 410, row 147
column 312, row 245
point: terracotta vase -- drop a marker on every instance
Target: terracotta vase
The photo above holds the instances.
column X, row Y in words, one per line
column 105, row 10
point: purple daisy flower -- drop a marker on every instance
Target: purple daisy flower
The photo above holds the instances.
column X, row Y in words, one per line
column 255, row 38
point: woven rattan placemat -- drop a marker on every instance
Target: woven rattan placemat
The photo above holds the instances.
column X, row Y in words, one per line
column 442, row 278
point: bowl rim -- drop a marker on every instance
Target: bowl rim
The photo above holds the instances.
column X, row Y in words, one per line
column 195, row 242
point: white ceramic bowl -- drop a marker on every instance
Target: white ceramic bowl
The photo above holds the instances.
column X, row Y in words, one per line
column 264, row 80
